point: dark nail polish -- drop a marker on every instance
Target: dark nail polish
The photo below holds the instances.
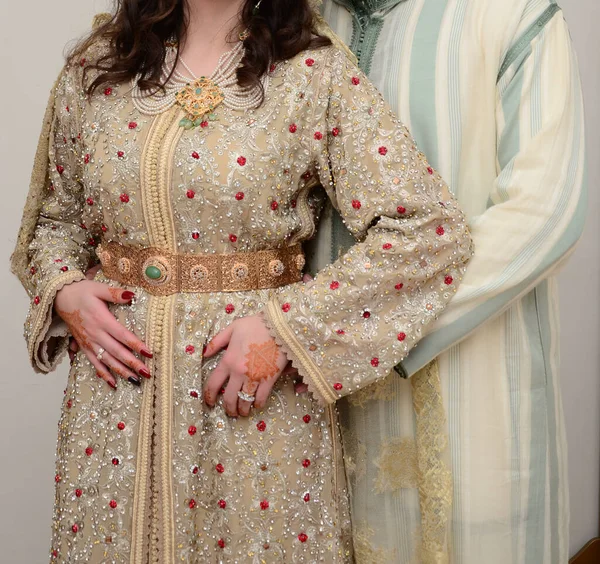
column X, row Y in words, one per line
column 134, row 381
column 146, row 353
column 145, row 373
column 127, row 295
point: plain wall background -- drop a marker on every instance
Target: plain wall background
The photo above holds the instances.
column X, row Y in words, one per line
column 34, row 37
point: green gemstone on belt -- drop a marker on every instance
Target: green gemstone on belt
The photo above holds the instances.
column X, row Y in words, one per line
column 153, row 272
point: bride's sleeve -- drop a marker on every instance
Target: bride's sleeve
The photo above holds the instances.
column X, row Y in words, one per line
column 363, row 313
column 56, row 245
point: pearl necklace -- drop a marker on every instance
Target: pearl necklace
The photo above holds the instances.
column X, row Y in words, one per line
column 223, row 81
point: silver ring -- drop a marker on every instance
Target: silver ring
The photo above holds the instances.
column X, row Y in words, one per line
column 101, row 351
column 246, row 397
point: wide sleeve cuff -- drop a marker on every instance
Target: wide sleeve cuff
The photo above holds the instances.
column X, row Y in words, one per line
column 46, row 334
column 297, row 353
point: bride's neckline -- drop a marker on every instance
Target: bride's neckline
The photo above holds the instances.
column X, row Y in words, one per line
column 201, row 93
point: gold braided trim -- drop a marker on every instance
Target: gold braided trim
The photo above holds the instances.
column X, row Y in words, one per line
column 295, row 352
column 163, row 435
column 196, row 272
column 141, row 497
column 434, row 474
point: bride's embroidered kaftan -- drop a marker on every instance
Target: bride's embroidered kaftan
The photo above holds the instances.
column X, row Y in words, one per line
column 151, row 473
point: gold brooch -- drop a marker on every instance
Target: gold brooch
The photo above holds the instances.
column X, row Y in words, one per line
column 199, row 100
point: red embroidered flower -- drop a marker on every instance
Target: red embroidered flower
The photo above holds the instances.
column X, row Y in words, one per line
column 57, row 478
column 401, row 336
column 204, row 124
column 272, row 67
column 306, row 497
column 104, row 228
column 335, row 132
column 241, row 161
column 113, row 504
column 306, row 418
column 192, row 503
column 399, row 286
column 36, row 300
column 190, row 194
column 229, row 308
column 86, row 159
column 115, row 461
column 264, row 504
column 293, row 128
column 448, row 280
column 309, row 62
column 89, row 451
column 340, row 332
column 375, row 362
column 124, row 198
column 192, row 430
column 401, row 209
column 334, row 285
column 383, row 151
column 220, row 468
column 387, row 246
column 356, row 204
column 286, row 307
column 429, row 170
column 60, row 169
column 302, row 537
column 366, row 314
column 120, row 425
column 108, row 91
column 274, row 205
column 306, row 463
column 120, row 154
column 195, row 155
column 293, row 203
column 195, row 235
column 337, row 386
column 261, row 426
column 232, row 237
column 355, row 80
column 318, row 135
column 194, row 394
column 440, row 230
column 82, row 62
column 75, row 528
column 221, row 543
column 78, row 492
column 190, row 349
column 132, row 125
column 239, row 196
column 222, row 504
column 64, row 268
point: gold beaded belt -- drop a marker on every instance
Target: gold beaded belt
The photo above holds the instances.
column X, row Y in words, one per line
column 162, row 272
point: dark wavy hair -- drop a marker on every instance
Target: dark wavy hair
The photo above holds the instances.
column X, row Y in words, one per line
column 137, row 33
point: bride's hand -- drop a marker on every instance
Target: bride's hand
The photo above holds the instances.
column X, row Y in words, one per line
column 82, row 305
column 253, row 362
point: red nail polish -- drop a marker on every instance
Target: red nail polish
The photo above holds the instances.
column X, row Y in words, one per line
column 146, row 353
column 204, row 349
column 145, row 373
column 127, row 295
column 112, row 385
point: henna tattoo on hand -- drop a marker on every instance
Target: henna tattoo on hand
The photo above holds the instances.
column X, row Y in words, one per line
column 74, row 321
column 261, row 361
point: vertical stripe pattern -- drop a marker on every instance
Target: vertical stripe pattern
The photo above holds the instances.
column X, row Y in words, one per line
column 491, row 92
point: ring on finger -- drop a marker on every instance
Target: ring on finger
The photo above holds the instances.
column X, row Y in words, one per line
column 246, row 397
column 101, row 351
